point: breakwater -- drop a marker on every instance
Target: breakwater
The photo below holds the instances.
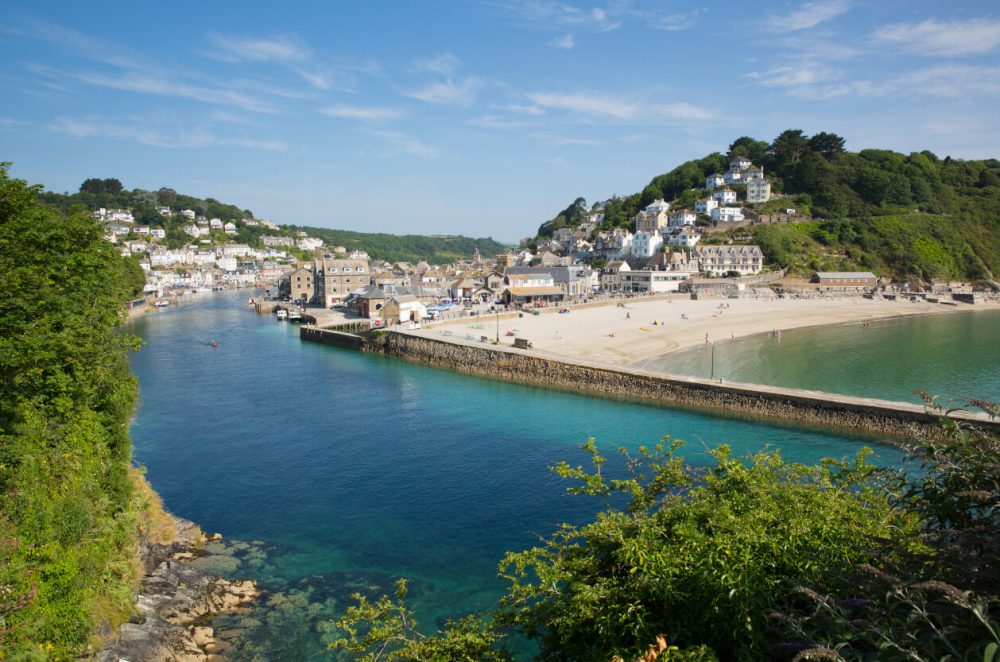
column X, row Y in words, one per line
column 894, row 420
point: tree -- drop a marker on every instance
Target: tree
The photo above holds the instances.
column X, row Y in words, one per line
column 827, row 144
column 787, row 149
column 167, row 196
column 755, row 150
column 66, row 395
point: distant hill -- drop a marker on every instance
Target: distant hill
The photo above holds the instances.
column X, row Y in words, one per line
column 898, row 215
column 435, row 249
column 109, row 193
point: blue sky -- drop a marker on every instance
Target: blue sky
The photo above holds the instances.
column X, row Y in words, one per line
column 476, row 117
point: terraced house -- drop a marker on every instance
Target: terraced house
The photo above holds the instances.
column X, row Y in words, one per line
column 337, row 278
column 745, row 259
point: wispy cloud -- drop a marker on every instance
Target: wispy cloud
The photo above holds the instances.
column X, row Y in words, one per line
column 361, row 112
column 563, row 141
column 566, row 41
column 607, row 17
column 586, row 103
column 284, row 48
column 943, row 38
column 162, row 86
column 672, row 22
column 8, row 122
column 176, row 137
column 498, row 122
column 808, row 16
column 399, row 143
column 444, row 64
column 448, row 92
column 819, row 82
column 603, row 105
column 949, row 81
column 561, row 14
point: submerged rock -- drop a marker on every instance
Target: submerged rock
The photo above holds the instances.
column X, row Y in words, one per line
column 175, row 599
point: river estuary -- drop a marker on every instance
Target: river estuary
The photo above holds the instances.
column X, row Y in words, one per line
column 330, row 471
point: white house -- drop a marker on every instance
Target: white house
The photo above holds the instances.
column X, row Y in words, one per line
column 681, row 218
column 141, row 229
column 727, row 214
column 215, row 223
column 226, row 263
column 758, row 190
column 740, row 163
column 714, row 180
column 733, row 177
column 646, row 244
column 188, row 214
column 683, row 238
column 725, row 196
column 229, row 228
column 706, row 205
column 158, row 233
column 652, row 281
column 164, row 211
column 193, row 230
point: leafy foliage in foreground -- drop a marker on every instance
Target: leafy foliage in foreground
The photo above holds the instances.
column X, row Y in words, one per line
column 754, row 558
column 67, row 509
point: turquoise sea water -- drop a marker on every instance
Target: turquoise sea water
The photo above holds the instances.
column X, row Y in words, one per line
column 955, row 357
column 349, row 470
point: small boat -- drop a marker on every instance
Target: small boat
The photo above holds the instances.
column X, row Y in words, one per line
column 214, row 344
column 282, row 314
column 161, row 303
column 294, row 316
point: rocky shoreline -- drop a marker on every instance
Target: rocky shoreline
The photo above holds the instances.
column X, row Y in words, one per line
column 176, row 601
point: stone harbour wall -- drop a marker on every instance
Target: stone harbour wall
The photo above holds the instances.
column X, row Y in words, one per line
column 893, row 420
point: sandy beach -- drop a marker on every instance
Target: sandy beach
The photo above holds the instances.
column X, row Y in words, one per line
column 648, row 328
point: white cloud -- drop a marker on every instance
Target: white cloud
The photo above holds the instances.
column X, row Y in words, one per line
column 139, row 131
column 808, row 16
column 617, row 108
column 560, row 14
column 562, row 141
column 285, row 48
column 151, row 84
column 448, row 93
column 444, row 64
column 566, row 41
column 820, row 82
column 497, row 122
column 403, row 144
column 943, row 38
column 586, row 103
column 950, row 81
column 361, row 112
column 672, row 22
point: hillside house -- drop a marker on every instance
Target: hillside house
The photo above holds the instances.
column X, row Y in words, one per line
column 725, row 196
column 745, row 259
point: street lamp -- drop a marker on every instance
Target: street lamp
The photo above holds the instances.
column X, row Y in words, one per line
column 713, row 361
column 498, row 325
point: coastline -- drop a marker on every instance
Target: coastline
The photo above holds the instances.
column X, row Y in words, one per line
column 627, row 336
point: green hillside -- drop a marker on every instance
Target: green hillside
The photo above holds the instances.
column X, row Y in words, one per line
column 69, row 511
column 411, row 248
column 895, row 214
column 109, row 193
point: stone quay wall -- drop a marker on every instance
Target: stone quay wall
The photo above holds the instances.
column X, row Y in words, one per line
column 332, row 337
column 892, row 420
